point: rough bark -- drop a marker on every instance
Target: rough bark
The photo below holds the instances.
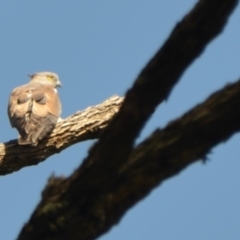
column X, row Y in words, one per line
column 81, row 126
column 114, row 176
column 72, row 209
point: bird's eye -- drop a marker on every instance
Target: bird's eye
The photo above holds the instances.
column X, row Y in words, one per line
column 50, row 77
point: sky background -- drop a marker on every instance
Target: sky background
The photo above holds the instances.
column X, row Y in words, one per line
column 98, row 48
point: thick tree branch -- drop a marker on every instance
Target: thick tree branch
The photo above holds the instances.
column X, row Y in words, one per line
column 153, row 85
column 114, row 177
column 65, row 212
column 95, row 197
column 81, row 126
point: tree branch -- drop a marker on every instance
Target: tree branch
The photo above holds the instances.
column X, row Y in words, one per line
column 81, row 126
column 155, row 82
column 108, row 183
column 71, row 209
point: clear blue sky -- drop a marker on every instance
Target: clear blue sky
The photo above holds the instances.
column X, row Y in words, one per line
column 98, row 48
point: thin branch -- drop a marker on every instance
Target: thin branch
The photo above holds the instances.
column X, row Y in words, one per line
column 81, row 126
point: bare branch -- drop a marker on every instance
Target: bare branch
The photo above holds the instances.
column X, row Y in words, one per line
column 97, row 194
column 186, row 42
column 69, row 208
column 81, row 126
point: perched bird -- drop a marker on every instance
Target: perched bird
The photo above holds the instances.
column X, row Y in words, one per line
column 35, row 108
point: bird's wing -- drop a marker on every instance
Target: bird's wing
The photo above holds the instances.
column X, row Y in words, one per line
column 34, row 110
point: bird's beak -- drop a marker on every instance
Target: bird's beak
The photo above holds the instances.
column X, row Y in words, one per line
column 59, row 84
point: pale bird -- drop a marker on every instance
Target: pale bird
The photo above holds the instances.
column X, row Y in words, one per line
column 35, row 108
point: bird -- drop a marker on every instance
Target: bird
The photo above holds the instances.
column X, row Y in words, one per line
column 35, row 108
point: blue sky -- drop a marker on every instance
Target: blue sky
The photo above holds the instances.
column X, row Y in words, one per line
column 98, row 48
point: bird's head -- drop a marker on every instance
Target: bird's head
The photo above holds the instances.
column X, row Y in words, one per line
column 46, row 78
